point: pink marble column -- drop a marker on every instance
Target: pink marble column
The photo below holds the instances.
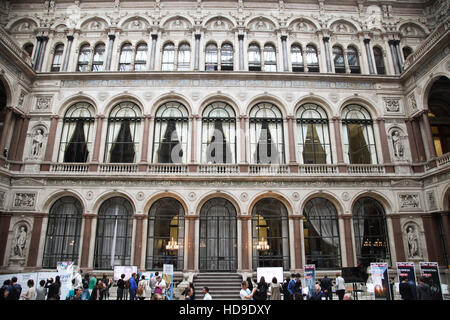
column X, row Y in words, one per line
column 418, row 138
column 18, row 122
column 22, row 139
column 339, row 151
column 97, row 142
column 193, row 166
column 243, row 130
column 5, row 219
column 427, row 128
column 144, row 155
column 412, row 140
column 50, row 143
column 384, row 145
column 292, row 152
column 6, row 127
column 35, row 239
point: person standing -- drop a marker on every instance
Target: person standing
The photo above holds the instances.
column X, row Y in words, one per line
column 206, row 295
column 325, row 284
column 291, row 284
column 120, row 287
column 78, row 280
column 160, row 285
column 153, row 282
column 274, row 290
column 14, row 290
column 262, row 288
column 143, row 289
column 340, row 286
column 318, row 293
column 85, row 285
column 41, row 292
column 406, row 290
column 245, row 293
column 188, row 294
column 4, row 289
column 107, row 282
column 133, row 286
column 286, row 293
column 97, row 291
column 250, row 283
column 423, row 290
column 92, row 283
column 53, row 289
column 31, row 293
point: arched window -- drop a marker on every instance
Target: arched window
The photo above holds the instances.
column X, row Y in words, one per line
column 211, row 57
column 57, row 58
column 353, row 60
column 184, row 57
column 77, row 133
column 219, row 133
column 218, row 236
column 114, row 234
column 226, row 57
column 168, row 58
column 140, row 60
column 254, row 58
column 266, row 134
column 99, row 57
column 84, row 58
column 171, row 133
column 126, row 55
column 270, row 234
column 297, row 58
column 29, row 48
column 439, row 115
column 321, row 233
column 62, row 238
column 122, row 140
column 338, row 58
column 3, row 99
column 270, row 60
column 359, row 142
column 406, row 52
column 371, row 237
column 313, row 135
column 312, row 59
column 165, row 224
column 379, row 61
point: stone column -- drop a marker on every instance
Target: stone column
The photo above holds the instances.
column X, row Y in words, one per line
column 394, row 56
column 37, row 51
column 326, row 44
column 432, row 238
column 398, row 238
column 197, row 51
column 18, row 121
column 399, row 55
column 244, row 241
column 412, row 141
column 191, row 240
column 298, row 241
column 138, row 240
column 5, row 130
column 145, row 142
column 384, row 144
column 5, row 220
column 339, row 151
column 41, row 53
column 35, row 237
column 153, row 53
column 194, row 138
column 50, row 143
column 369, row 55
column 427, row 129
column 241, row 51
column 446, row 230
column 285, row 54
column 98, row 138
column 347, row 66
column 418, row 139
column 292, row 153
column 85, row 248
column 67, row 53
column 243, row 137
column 348, row 219
column 111, row 37
column 21, row 141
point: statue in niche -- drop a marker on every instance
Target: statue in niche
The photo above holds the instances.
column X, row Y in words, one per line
column 413, row 242
column 37, row 143
column 398, row 144
column 21, row 238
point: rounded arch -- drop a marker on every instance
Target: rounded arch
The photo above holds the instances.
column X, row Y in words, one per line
column 83, row 22
column 77, row 97
column 167, row 19
column 165, row 194
column 337, row 20
column 321, row 101
column 380, row 197
column 257, row 43
column 362, row 101
column 168, row 97
column 267, row 97
column 7, row 87
column 428, row 85
column 334, row 199
column 420, row 25
column 274, row 22
column 446, row 199
column 111, row 194
column 221, row 17
column 218, row 194
column 16, row 22
column 218, row 97
column 271, row 194
column 293, row 20
column 125, row 20
column 55, row 196
column 123, row 97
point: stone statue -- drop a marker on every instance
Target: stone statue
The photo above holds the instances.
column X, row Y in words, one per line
column 21, row 238
column 398, row 145
column 413, row 242
column 37, row 143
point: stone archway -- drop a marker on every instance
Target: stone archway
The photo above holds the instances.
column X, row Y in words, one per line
column 439, row 114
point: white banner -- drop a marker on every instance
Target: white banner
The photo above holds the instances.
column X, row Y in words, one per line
column 269, row 273
column 126, row 270
column 65, row 273
column 168, row 269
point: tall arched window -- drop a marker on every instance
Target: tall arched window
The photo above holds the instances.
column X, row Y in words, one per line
column 321, row 233
column 57, row 58
column 28, row 47
column 184, row 57
column 270, row 59
column 211, row 57
column 77, row 133
column 266, row 134
column 218, row 236
column 379, row 61
column 226, row 57
column 171, row 133
column 126, row 55
column 371, row 237
column 114, row 234
column 254, row 58
column 270, row 234
column 313, row 135
column 359, row 142
column 406, row 52
column 219, row 133
column 140, row 61
column 3, row 99
column 297, row 58
column 338, row 58
column 168, row 57
column 122, row 140
column 62, row 239
column 84, row 58
column 312, row 59
column 99, row 57
column 165, row 223
column 353, row 60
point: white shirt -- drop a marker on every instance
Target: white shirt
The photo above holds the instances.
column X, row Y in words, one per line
column 78, row 281
column 162, row 284
column 245, row 293
column 340, row 283
column 207, row 296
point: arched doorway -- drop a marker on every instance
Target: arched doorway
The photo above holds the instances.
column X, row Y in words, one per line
column 218, row 236
column 3, row 100
column 439, row 114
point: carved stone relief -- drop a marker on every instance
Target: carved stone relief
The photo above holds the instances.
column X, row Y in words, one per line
column 43, row 103
column 24, row 200
column 392, row 104
column 409, row 201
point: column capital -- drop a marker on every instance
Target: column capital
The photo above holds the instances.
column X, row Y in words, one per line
column 148, row 116
column 379, row 119
column 336, row 118
column 70, row 38
column 191, row 216
column 89, row 215
column 290, row 117
column 295, row 216
column 111, row 36
column 100, row 116
column 198, row 36
column 366, row 40
column 240, row 37
column 54, row 116
column 243, row 116
column 244, row 217
column 283, row 38
column 194, row 117
column 154, row 36
column 326, row 39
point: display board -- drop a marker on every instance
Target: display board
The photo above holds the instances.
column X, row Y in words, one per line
column 269, row 274
column 380, row 280
column 127, row 270
column 430, row 271
column 405, row 270
column 65, row 273
column 354, row 274
column 310, row 278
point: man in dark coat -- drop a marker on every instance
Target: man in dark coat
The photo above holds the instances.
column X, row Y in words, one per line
column 406, row 291
column 423, row 290
column 325, row 284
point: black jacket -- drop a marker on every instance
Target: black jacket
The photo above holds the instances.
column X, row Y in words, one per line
column 423, row 292
column 406, row 291
column 325, row 284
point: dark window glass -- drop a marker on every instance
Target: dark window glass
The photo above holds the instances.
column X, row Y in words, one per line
column 57, row 58
column 379, row 61
column 338, row 58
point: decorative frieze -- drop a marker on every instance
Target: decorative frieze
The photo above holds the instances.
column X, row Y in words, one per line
column 431, row 200
column 24, row 200
column 409, row 201
column 412, row 104
column 392, row 104
column 43, row 103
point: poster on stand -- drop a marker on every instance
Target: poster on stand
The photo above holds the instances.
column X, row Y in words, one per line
column 405, row 270
column 65, row 273
column 269, row 274
column 167, row 275
column 310, row 278
column 126, row 270
column 380, row 280
column 430, row 272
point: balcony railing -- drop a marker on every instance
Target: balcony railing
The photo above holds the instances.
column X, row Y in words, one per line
column 218, row 168
column 268, row 169
column 69, row 167
column 167, row 168
column 118, row 168
column 364, row 169
column 318, row 169
column 444, row 159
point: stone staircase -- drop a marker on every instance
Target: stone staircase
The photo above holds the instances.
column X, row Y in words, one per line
column 222, row 286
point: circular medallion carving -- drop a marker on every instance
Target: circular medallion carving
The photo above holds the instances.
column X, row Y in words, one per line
column 89, row 195
column 140, row 196
column 244, row 196
column 296, row 196
column 345, row 196
column 192, row 196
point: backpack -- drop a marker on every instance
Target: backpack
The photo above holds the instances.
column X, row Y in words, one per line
column 140, row 289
